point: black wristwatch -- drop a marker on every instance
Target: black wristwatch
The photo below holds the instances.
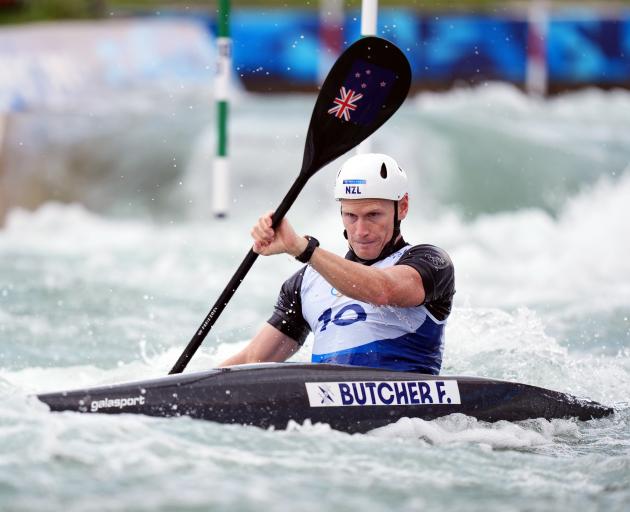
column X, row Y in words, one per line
column 310, row 249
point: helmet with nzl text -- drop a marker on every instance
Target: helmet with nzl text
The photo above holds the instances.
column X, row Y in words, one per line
column 371, row 176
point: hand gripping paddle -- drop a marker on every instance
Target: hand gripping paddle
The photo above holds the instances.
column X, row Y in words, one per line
column 364, row 88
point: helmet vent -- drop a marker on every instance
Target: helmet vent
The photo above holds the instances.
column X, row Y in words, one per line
column 383, row 171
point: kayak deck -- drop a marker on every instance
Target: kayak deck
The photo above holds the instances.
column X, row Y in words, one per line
column 348, row 398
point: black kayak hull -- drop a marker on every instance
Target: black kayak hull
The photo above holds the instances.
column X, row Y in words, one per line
column 348, row 398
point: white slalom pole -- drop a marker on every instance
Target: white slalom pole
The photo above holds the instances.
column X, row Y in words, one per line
column 369, row 16
column 221, row 168
column 538, row 22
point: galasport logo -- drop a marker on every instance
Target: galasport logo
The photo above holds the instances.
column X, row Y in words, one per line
column 116, row 403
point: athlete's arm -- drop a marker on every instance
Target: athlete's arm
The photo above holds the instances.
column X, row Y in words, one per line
column 400, row 285
column 269, row 345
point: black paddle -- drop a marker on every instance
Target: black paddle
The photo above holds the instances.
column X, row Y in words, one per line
column 364, row 88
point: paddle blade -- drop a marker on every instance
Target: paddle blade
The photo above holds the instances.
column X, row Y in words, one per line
column 364, row 88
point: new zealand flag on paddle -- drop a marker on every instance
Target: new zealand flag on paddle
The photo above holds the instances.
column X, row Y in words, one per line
column 362, row 94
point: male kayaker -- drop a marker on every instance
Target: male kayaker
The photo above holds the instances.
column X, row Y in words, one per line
column 384, row 305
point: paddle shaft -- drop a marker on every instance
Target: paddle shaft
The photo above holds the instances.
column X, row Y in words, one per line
column 330, row 135
column 236, row 280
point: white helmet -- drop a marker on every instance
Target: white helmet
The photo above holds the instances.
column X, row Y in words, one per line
column 371, row 176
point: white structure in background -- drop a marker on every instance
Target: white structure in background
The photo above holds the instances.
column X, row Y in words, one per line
column 538, row 23
column 85, row 69
column 369, row 17
column 54, row 65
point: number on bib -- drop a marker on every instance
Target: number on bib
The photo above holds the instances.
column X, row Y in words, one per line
column 326, row 316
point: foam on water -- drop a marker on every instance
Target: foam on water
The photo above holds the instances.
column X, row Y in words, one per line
column 477, row 151
column 309, row 466
column 90, row 298
column 559, row 259
column 458, row 428
column 494, row 148
column 153, row 270
column 535, row 258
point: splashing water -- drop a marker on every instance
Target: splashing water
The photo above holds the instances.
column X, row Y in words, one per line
column 104, row 293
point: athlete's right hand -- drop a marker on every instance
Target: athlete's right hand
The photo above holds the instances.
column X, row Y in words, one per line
column 283, row 239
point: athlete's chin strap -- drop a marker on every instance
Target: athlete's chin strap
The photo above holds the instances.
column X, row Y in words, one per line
column 389, row 248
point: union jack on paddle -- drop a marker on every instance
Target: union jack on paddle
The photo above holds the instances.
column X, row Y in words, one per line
column 363, row 93
column 345, row 103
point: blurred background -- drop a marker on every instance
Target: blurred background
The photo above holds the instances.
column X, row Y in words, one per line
column 126, row 126
column 110, row 103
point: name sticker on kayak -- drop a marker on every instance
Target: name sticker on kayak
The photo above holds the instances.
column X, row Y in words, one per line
column 407, row 392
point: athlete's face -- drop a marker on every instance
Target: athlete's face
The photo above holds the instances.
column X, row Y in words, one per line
column 370, row 224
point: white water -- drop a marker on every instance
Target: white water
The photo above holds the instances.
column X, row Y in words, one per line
column 107, row 294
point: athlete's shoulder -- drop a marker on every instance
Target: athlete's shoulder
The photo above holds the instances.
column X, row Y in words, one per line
column 428, row 255
column 287, row 315
column 438, row 276
column 292, row 286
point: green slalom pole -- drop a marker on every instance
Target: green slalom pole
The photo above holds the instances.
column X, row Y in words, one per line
column 221, row 175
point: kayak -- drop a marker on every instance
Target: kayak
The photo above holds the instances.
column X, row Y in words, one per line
column 348, row 398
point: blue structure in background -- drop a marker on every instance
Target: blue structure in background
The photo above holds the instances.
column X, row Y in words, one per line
column 278, row 43
column 590, row 50
column 272, row 47
column 473, row 48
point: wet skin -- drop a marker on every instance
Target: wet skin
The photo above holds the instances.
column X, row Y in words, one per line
column 370, row 224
